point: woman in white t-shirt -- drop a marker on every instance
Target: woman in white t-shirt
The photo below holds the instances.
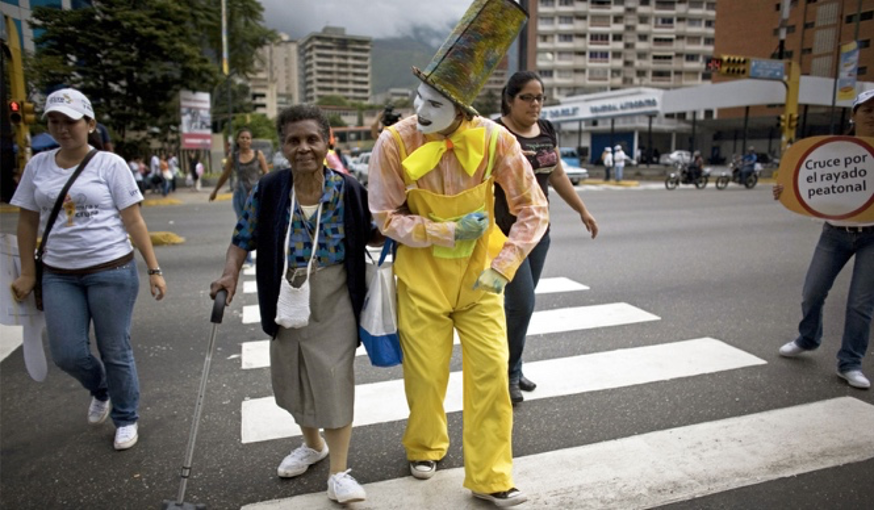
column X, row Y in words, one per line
column 90, row 274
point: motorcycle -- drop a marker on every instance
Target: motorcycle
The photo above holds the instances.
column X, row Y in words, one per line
column 752, row 177
column 684, row 174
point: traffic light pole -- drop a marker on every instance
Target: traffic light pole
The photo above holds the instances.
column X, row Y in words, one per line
column 18, row 92
column 789, row 126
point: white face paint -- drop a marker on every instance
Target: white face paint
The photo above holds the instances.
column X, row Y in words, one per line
column 434, row 111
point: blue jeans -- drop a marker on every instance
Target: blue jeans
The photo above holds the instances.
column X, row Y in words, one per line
column 835, row 248
column 106, row 298
column 519, row 304
column 239, row 200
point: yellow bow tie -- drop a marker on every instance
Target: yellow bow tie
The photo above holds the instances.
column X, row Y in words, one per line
column 467, row 144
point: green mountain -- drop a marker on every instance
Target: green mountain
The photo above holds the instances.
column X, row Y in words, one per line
column 393, row 58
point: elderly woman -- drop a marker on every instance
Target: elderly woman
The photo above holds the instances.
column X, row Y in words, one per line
column 289, row 214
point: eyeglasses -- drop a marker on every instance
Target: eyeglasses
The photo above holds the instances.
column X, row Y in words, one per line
column 530, row 98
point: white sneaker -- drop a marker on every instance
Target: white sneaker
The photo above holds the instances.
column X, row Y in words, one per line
column 98, row 411
column 342, row 488
column 300, row 459
column 791, row 350
column 511, row 497
column 126, row 436
column 423, row 469
column 855, row 378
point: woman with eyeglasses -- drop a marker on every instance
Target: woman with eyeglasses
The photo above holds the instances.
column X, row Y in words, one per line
column 521, row 102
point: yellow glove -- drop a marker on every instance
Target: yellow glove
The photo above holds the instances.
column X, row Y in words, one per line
column 491, row 281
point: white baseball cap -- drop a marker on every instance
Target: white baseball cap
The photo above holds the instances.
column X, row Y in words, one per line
column 864, row 97
column 70, row 102
column 617, row 148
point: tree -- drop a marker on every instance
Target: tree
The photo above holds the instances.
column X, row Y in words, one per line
column 335, row 120
column 332, row 100
column 132, row 57
column 259, row 124
column 487, row 104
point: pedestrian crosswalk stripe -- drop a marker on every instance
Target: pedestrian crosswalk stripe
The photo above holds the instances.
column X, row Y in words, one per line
column 558, row 284
column 11, row 337
column 652, row 469
column 545, row 286
column 263, row 420
column 257, row 354
column 251, row 314
column 249, row 271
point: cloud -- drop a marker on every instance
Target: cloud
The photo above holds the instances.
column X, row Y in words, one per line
column 373, row 18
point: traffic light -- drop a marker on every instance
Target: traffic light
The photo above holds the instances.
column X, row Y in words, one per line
column 733, row 65
column 28, row 113
column 793, row 121
column 713, row 64
column 15, row 115
column 782, row 120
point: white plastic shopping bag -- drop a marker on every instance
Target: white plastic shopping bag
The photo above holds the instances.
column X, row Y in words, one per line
column 378, row 328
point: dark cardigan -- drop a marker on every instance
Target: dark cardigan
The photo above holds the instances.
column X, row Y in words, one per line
column 274, row 199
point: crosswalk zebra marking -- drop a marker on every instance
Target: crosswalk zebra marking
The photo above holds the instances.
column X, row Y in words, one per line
column 11, row 337
column 251, row 314
column 652, row 469
column 257, row 355
column 263, row 420
column 545, row 286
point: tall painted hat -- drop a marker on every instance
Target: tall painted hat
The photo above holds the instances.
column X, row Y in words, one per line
column 472, row 51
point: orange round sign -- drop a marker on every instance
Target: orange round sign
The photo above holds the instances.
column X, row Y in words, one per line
column 830, row 177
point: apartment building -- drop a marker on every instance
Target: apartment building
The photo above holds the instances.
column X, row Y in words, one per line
column 20, row 12
column 591, row 46
column 815, row 30
column 334, row 63
column 275, row 86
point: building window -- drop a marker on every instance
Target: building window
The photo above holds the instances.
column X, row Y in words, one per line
column 546, row 73
column 564, row 74
column 806, row 51
column 862, row 71
column 664, row 22
column 546, row 21
column 547, row 3
column 599, row 56
column 599, row 39
column 665, row 5
column 599, row 21
column 545, row 57
column 662, row 41
column 695, row 22
column 661, row 76
column 696, row 5
column 643, row 20
column 598, row 74
column 617, row 37
column 566, row 3
column 601, row 4
column 565, row 20
column 693, row 58
column 709, row 41
column 618, row 19
column 566, row 38
column 866, row 16
column 545, row 38
column 790, row 29
column 565, row 56
column 709, row 23
column 642, row 37
column 641, row 74
column 693, row 41
column 662, row 59
column 865, row 43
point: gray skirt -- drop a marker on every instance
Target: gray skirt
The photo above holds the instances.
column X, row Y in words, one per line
column 311, row 367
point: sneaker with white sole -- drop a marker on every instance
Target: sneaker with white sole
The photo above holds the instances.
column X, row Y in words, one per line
column 342, row 488
column 300, row 459
column 855, row 378
column 126, row 436
column 791, row 350
column 423, row 469
column 98, row 411
column 510, row 497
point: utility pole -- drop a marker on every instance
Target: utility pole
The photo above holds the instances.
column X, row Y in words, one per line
column 18, row 94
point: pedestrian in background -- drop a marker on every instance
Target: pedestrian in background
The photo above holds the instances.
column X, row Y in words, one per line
column 607, row 160
column 296, row 217
column 90, row 275
column 521, row 103
column 619, row 160
column 840, row 241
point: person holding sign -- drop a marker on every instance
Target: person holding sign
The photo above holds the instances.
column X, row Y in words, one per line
column 823, row 181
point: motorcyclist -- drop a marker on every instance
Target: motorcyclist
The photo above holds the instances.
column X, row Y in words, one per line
column 695, row 166
column 748, row 164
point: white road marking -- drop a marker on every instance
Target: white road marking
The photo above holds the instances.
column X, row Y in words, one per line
column 558, row 284
column 257, row 355
column 263, row 420
column 11, row 337
column 653, row 469
column 250, row 287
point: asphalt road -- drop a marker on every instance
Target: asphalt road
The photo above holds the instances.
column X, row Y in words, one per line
column 725, row 264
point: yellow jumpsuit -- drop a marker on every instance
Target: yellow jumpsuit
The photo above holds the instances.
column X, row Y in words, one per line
column 436, row 276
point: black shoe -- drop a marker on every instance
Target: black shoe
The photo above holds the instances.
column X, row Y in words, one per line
column 515, row 394
column 526, row 385
column 511, row 497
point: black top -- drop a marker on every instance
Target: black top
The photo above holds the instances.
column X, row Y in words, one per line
column 543, row 161
column 274, row 192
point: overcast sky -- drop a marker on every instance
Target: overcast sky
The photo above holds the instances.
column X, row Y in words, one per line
column 374, row 18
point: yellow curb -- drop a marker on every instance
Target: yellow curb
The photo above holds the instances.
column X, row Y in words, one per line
column 223, row 197
column 6, row 208
column 165, row 238
column 601, row 182
column 149, row 202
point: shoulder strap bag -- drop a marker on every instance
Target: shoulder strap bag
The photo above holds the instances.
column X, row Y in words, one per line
column 37, row 288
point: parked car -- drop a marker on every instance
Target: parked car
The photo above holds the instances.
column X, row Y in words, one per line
column 279, row 161
column 575, row 173
column 358, row 167
column 675, row 158
column 569, row 156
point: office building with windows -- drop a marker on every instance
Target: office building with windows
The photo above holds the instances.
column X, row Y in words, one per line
column 332, row 63
column 20, row 11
